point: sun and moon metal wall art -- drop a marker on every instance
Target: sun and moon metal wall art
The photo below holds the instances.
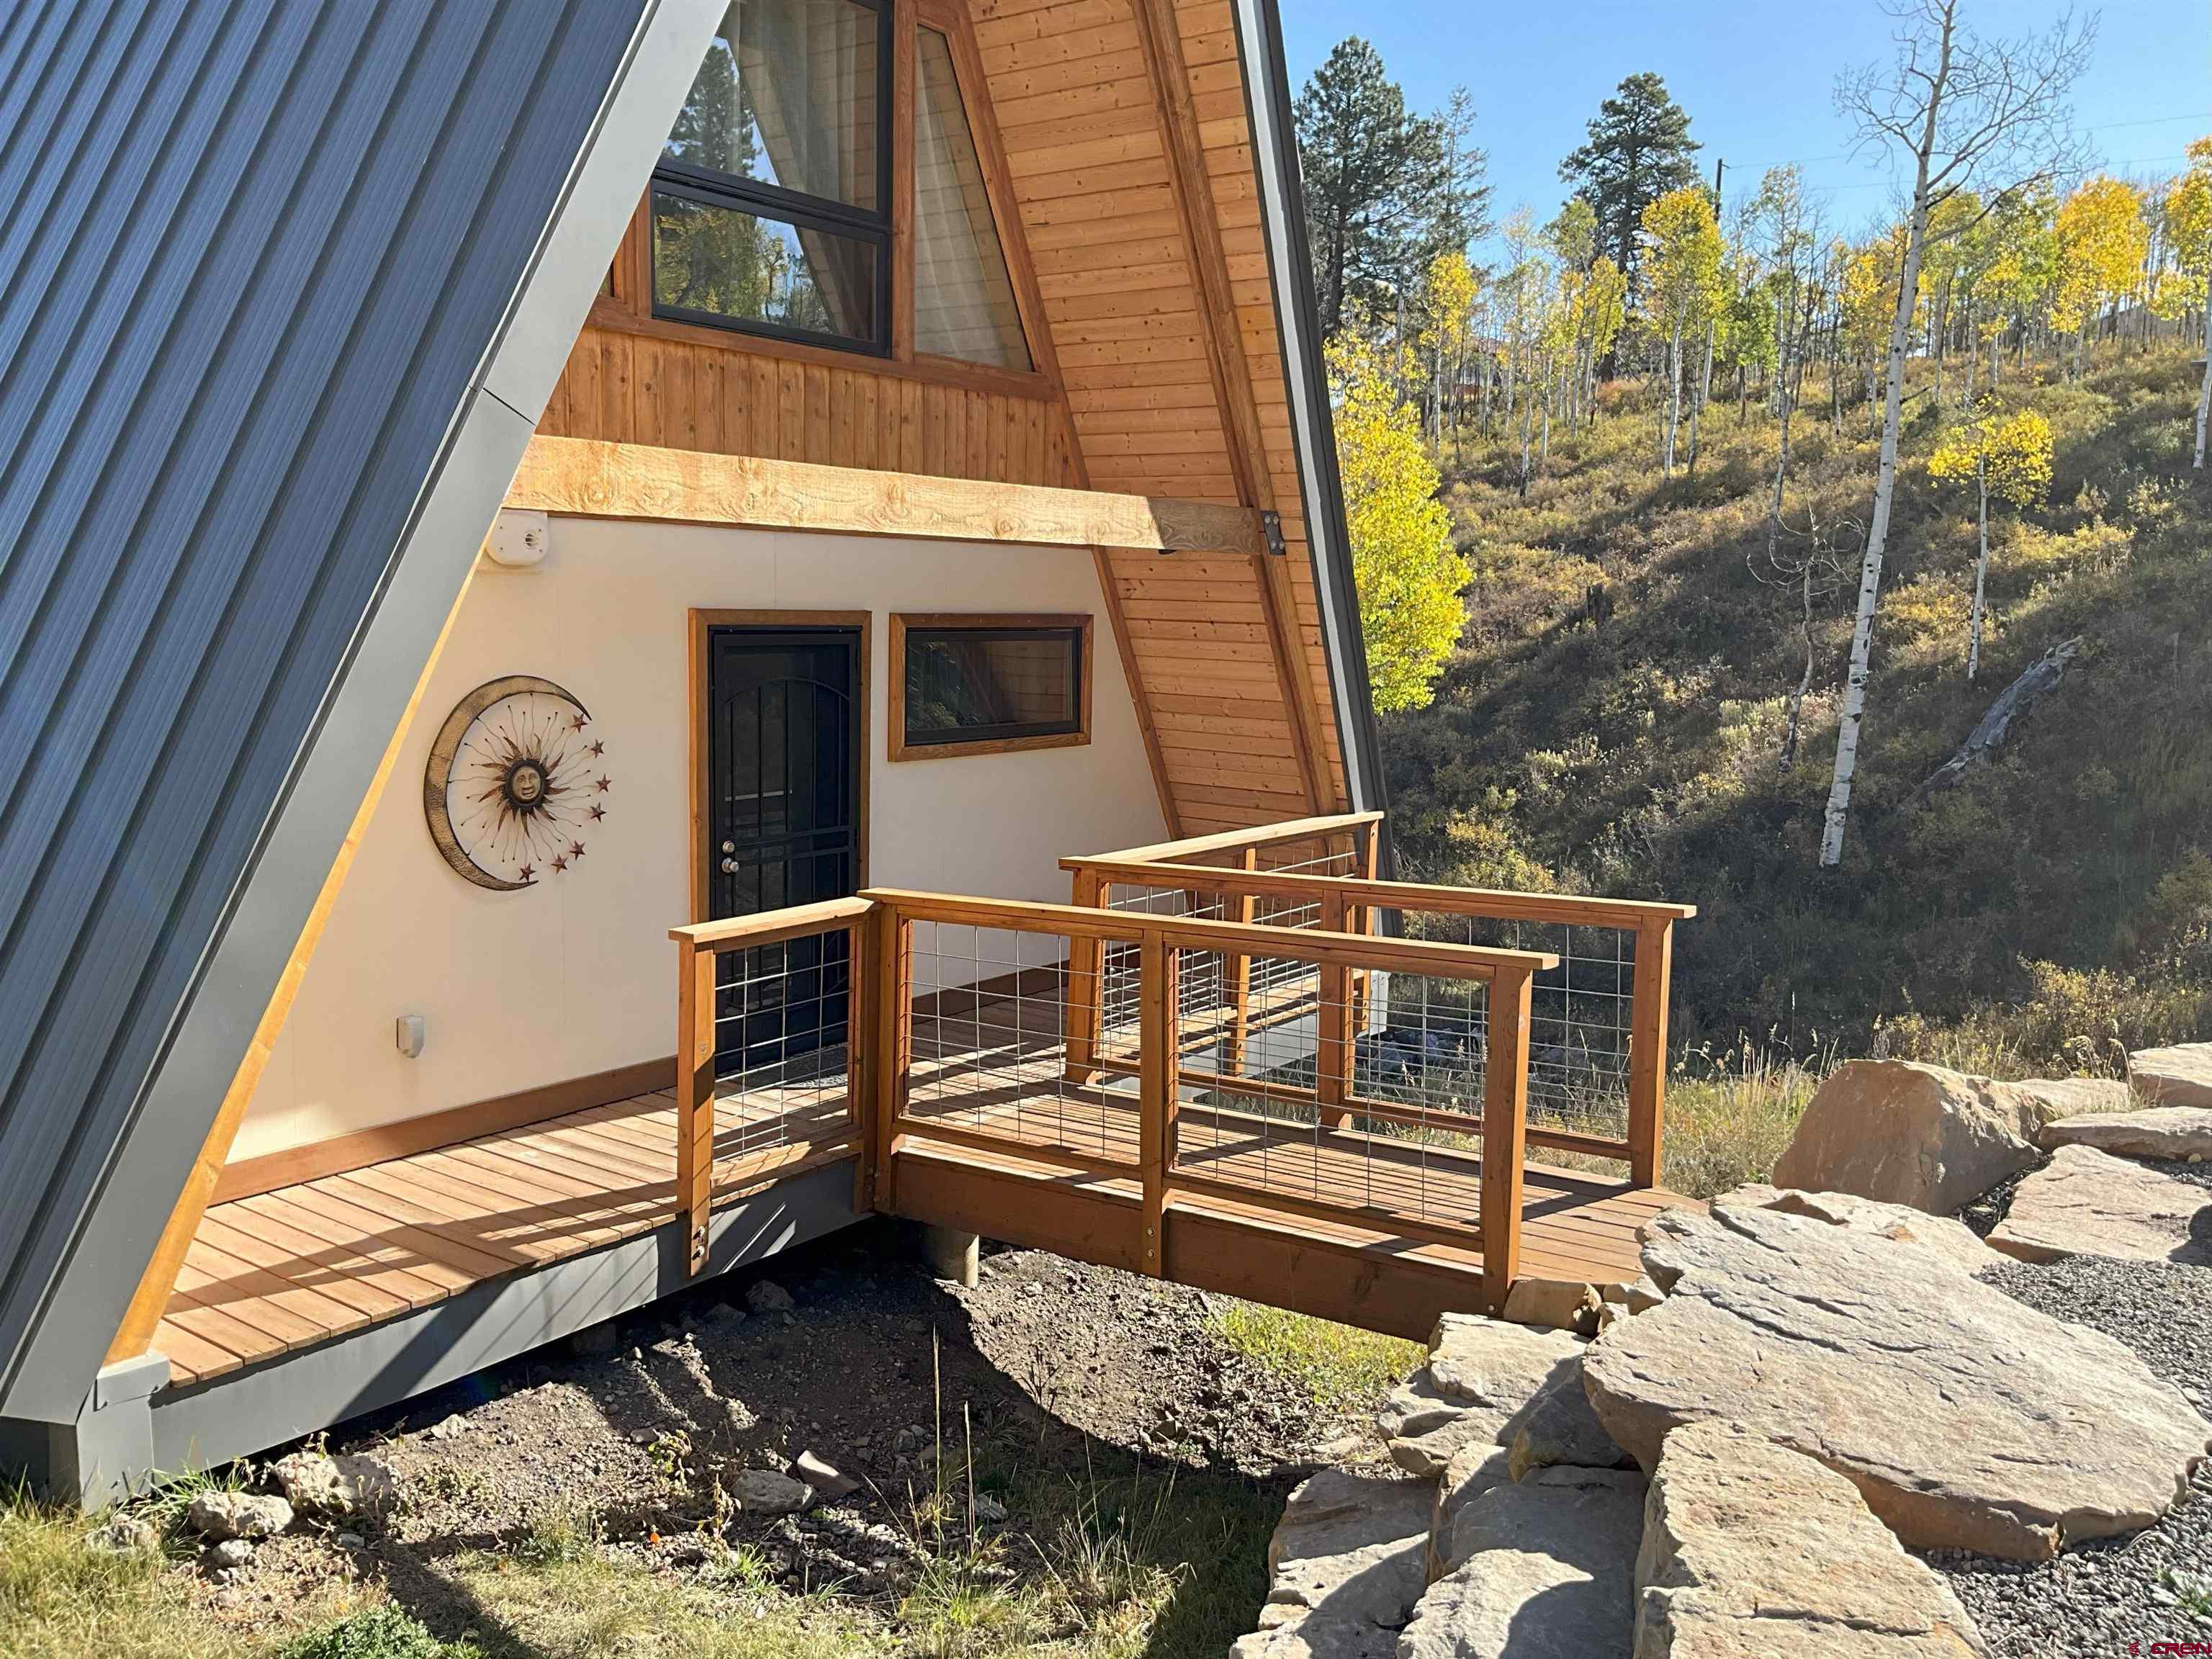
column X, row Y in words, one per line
column 516, row 783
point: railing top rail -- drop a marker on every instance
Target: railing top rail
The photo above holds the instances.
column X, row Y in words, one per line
column 1225, row 841
column 1380, row 954
column 771, row 927
column 1495, row 903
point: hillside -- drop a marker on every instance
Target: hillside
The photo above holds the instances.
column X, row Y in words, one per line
column 2056, row 902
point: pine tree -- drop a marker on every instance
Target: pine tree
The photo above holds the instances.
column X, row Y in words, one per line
column 1639, row 149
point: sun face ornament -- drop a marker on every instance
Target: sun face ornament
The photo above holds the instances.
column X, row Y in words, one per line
column 515, row 780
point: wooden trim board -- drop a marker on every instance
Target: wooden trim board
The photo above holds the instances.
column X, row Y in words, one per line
column 898, row 749
column 585, row 478
column 297, row 1165
column 699, row 785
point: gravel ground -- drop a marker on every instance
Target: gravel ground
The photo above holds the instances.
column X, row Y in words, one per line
column 2100, row 1599
column 845, row 1349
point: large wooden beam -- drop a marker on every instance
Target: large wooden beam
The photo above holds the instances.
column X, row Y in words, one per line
column 588, row 478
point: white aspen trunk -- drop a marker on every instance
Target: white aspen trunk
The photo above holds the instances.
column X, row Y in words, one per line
column 1973, row 360
column 1673, row 398
column 1838, row 815
column 1981, row 576
column 2204, row 390
column 1704, row 393
column 1997, row 357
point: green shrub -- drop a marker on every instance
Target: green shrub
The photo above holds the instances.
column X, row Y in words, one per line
column 378, row 1632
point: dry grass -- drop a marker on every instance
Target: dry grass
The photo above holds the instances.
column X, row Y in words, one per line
column 1342, row 1368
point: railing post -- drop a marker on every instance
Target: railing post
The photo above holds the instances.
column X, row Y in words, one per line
column 1647, row 1048
column 1240, row 979
column 1158, row 1086
column 1085, row 1009
column 695, row 1098
column 892, row 1067
column 1504, row 1133
column 1333, row 1045
column 860, row 1070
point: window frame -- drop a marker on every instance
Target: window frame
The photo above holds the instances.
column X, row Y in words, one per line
column 939, row 748
column 709, row 187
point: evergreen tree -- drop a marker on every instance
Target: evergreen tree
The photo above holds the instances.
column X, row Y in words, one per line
column 1639, row 149
column 1386, row 190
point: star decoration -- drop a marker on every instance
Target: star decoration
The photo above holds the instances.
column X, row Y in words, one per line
column 575, row 849
column 598, row 812
column 560, row 863
column 576, row 722
column 596, row 749
column 601, row 784
column 527, row 873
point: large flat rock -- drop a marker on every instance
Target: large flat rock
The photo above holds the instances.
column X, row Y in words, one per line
column 1903, row 1133
column 1751, row 1550
column 1964, row 1419
column 1347, row 1564
column 2179, row 1076
column 1481, row 1375
column 2086, row 1203
column 1900, row 1224
column 2073, row 1097
column 1547, row 1570
column 2181, row 1133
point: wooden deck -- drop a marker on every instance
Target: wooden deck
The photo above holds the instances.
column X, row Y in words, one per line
column 303, row 1264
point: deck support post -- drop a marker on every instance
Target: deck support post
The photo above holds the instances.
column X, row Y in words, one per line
column 1647, row 1048
column 1504, row 1133
column 1158, row 1086
column 1239, row 969
column 1086, row 991
column 953, row 1255
column 694, row 1097
column 893, row 1043
column 1333, row 1049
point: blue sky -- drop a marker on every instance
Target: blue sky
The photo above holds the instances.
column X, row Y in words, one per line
column 1754, row 75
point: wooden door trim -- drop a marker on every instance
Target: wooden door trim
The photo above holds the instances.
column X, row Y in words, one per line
column 698, row 623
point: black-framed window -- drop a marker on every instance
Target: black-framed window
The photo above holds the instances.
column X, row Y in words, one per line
column 771, row 201
column 992, row 684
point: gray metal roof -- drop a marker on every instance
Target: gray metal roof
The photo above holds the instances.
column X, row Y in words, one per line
column 273, row 271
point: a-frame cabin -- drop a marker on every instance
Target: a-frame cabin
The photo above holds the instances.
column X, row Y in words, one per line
column 487, row 489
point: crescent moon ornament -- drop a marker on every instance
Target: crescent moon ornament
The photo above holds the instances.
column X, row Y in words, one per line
column 515, row 782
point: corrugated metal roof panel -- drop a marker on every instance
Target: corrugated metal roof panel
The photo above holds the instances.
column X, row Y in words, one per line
column 257, row 254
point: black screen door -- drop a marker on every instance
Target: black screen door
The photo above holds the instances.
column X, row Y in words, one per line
column 783, row 828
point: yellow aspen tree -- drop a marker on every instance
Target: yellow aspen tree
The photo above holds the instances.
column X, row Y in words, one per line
column 2102, row 242
column 1681, row 280
column 2189, row 240
column 2006, row 456
column 1408, row 573
column 1447, row 312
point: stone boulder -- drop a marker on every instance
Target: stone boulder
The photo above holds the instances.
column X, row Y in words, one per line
column 2074, row 1097
column 336, row 1488
column 1900, row 1224
column 1965, row 1419
column 2086, row 1203
column 2182, row 1133
column 1752, row 1549
column 1560, row 1430
column 1908, row 1133
column 1480, row 1374
column 1557, row 1304
column 764, row 1491
column 2179, row 1076
column 1547, row 1570
column 1346, row 1566
column 1475, row 1469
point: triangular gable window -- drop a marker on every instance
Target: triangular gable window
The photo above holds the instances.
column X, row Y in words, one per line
column 964, row 299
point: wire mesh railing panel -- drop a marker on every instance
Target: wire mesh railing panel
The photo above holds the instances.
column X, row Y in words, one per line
column 1581, row 1014
column 783, row 1044
column 1362, row 1101
column 990, row 1012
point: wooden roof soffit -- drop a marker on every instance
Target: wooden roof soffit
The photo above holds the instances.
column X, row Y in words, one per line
column 583, row 478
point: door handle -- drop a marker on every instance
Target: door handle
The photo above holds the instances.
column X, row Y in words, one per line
column 729, row 866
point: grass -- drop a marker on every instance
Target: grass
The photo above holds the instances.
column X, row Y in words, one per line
column 1341, row 1367
column 1728, row 1117
column 376, row 1633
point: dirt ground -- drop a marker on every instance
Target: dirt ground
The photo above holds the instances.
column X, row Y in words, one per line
column 1066, row 1381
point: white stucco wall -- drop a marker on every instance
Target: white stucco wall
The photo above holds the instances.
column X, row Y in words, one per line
column 576, row 975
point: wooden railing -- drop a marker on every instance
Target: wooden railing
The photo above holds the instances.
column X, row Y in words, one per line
column 1160, row 944
column 1355, row 904
column 699, row 952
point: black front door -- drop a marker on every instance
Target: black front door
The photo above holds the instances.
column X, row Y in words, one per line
column 783, row 828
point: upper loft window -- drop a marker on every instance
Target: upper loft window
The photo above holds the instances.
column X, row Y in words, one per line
column 963, row 304
column 769, row 203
